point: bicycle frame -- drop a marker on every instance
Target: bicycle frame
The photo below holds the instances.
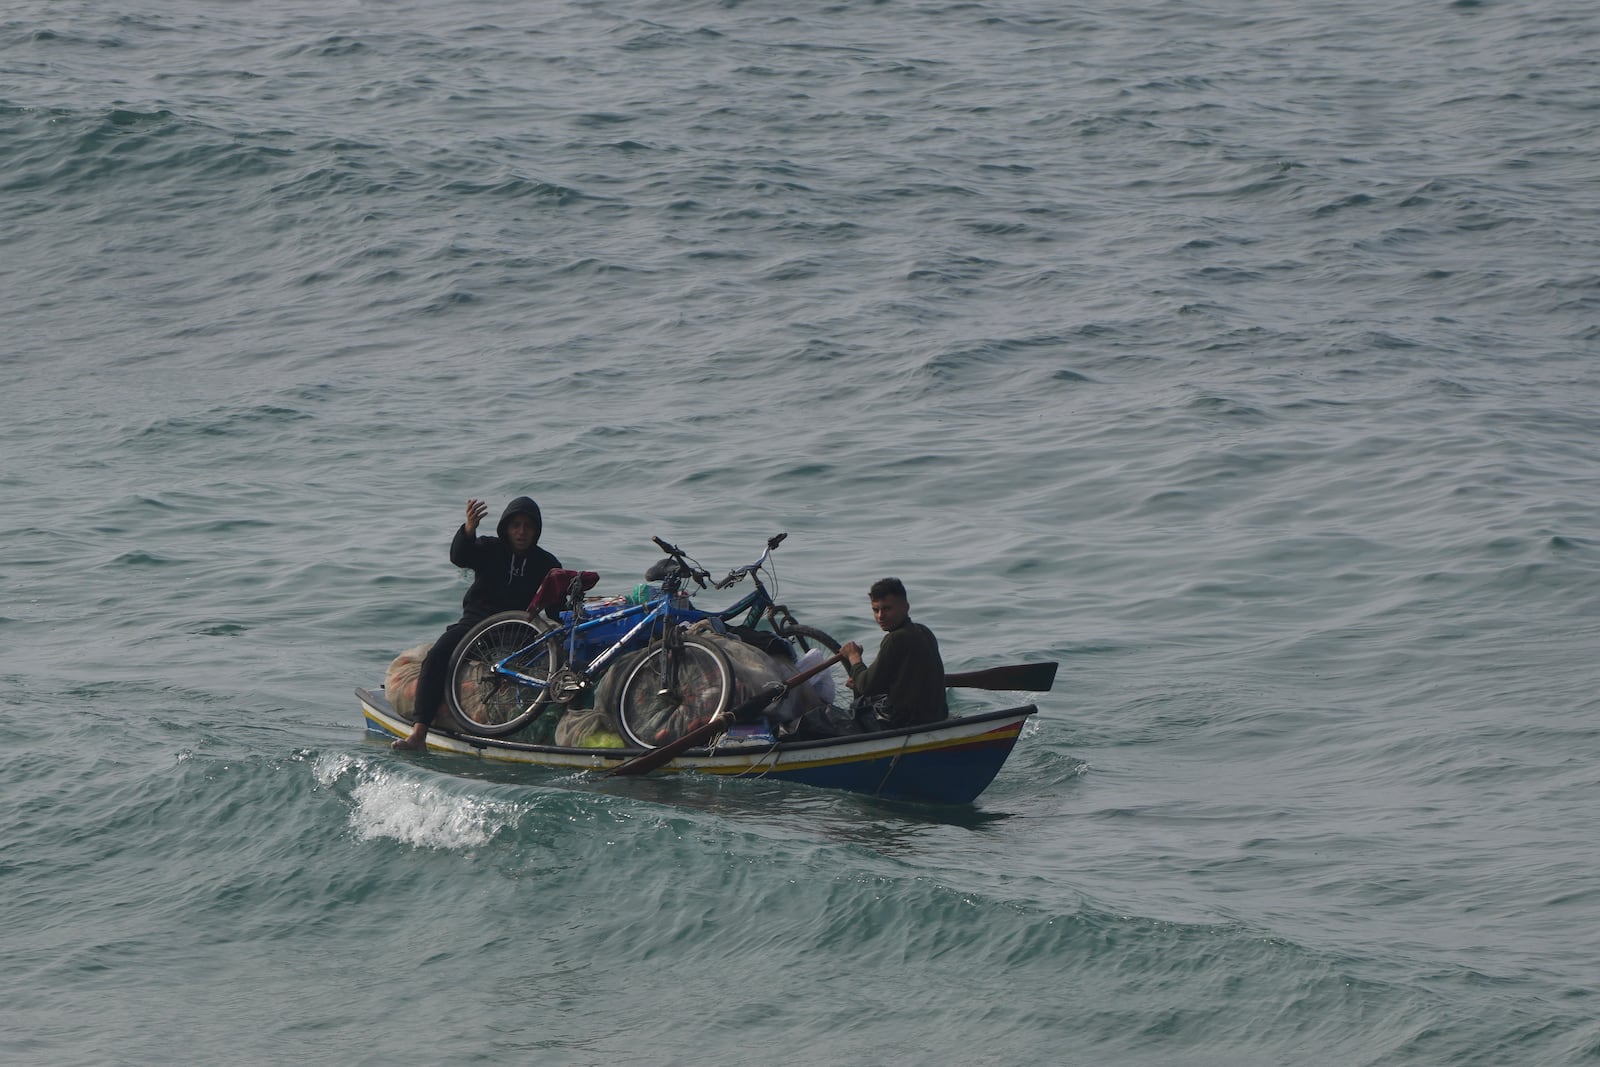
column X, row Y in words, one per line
column 672, row 605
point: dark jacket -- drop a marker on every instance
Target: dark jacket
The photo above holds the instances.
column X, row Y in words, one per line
column 501, row 580
column 910, row 672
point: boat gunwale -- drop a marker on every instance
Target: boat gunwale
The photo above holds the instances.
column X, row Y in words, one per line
column 378, row 703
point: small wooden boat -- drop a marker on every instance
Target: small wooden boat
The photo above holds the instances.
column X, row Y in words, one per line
column 949, row 762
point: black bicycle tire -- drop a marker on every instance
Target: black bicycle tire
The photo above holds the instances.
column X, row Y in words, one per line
column 490, row 641
column 809, row 633
column 608, row 689
column 637, row 722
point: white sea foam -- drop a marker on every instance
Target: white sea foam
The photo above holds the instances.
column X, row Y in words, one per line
column 414, row 811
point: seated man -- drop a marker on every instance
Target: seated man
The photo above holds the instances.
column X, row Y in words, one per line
column 903, row 687
column 905, row 684
column 507, row 569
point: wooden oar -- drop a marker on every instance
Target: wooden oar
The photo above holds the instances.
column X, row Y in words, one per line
column 1032, row 677
column 656, row 757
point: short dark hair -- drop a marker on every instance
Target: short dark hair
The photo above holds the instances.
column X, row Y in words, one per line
column 886, row 586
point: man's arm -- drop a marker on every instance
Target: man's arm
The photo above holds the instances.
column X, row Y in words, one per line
column 464, row 545
column 885, row 669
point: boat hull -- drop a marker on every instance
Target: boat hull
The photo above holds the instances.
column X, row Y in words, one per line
column 949, row 762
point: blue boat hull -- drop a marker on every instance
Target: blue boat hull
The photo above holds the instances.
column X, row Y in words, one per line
column 949, row 762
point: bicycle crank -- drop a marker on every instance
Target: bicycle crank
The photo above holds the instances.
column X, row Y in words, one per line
column 567, row 685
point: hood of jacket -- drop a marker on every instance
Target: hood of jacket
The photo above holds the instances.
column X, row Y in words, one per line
column 522, row 505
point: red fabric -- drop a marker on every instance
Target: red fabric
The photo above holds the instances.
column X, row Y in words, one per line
column 553, row 590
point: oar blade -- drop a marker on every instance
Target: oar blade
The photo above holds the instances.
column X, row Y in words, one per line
column 1023, row 677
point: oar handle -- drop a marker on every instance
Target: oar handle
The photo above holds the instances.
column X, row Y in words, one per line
column 811, row 671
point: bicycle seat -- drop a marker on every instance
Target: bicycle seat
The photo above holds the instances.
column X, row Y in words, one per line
column 665, row 570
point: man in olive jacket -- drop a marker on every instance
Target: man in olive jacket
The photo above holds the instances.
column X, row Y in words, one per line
column 905, row 684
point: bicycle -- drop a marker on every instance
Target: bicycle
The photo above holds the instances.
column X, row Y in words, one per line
column 514, row 666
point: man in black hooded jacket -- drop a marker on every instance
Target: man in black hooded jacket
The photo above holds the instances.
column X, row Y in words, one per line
column 506, row 572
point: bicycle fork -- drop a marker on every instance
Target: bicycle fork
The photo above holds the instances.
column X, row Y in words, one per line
column 671, row 643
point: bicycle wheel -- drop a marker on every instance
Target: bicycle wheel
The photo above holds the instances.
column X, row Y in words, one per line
column 675, row 686
column 492, row 704
column 805, row 638
column 608, row 690
column 832, row 686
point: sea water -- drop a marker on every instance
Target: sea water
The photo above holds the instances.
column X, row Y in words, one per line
column 1238, row 356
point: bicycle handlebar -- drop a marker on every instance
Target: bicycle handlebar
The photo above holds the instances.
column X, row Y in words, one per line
column 734, row 575
column 751, row 568
column 682, row 557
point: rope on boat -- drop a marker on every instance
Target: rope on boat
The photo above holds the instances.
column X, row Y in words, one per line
column 893, row 763
column 772, row 751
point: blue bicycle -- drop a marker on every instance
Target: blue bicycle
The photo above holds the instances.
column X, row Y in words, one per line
column 515, row 666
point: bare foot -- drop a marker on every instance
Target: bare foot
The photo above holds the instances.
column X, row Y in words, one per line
column 417, row 741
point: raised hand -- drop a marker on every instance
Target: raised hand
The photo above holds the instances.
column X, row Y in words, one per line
column 476, row 510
